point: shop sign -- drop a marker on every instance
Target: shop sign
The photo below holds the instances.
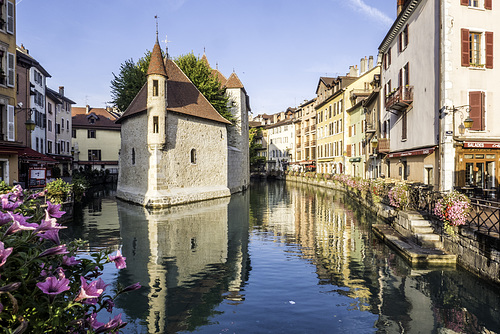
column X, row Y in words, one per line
column 479, row 144
column 411, row 153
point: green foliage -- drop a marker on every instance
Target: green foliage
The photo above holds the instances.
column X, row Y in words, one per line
column 43, row 287
column 255, row 161
column 4, row 187
column 58, row 191
column 128, row 82
column 80, row 184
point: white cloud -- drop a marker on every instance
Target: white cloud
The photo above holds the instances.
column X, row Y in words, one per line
column 370, row 11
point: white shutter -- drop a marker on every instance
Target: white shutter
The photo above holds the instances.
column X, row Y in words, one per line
column 11, row 69
column 11, row 132
column 10, row 17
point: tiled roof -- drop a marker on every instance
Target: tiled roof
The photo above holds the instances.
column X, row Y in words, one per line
column 182, row 97
column 222, row 79
column 82, row 121
column 98, row 111
column 156, row 65
column 234, row 81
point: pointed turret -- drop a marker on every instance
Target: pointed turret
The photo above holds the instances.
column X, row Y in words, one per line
column 156, row 64
column 234, row 81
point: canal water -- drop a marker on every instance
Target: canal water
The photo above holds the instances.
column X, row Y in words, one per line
column 280, row 258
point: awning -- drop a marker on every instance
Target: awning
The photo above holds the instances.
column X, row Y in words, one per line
column 355, row 159
column 411, row 153
column 27, row 154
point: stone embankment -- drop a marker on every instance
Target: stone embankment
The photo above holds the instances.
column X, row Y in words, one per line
column 421, row 240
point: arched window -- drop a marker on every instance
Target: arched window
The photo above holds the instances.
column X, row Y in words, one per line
column 193, row 156
column 133, row 156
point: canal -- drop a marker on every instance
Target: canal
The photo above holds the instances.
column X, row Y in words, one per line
column 280, row 258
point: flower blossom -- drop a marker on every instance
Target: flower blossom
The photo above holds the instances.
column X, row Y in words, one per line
column 113, row 325
column 57, row 250
column 54, row 210
column 70, row 261
column 53, row 286
column 88, row 290
column 9, row 203
column 4, row 253
column 52, row 235
column 48, row 224
column 132, row 287
column 119, row 260
column 20, row 224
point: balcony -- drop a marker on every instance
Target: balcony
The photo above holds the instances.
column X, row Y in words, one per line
column 313, row 142
column 399, row 99
column 307, row 144
column 313, row 127
column 384, row 145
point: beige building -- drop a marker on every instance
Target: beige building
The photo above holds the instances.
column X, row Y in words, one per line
column 95, row 139
column 305, row 137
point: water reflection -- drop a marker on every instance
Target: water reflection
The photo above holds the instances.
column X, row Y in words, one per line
column 315, row 267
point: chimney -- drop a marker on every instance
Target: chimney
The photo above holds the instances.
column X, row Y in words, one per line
column 87, row 109
column 401, row 4
column 370, row 62
column 61, row 90
column 362, row 65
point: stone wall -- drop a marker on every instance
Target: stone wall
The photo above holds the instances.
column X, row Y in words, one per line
column 477, row 252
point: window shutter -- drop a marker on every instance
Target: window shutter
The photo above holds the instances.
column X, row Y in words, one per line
column 400, row 42
column 348, row 150
column 10, row 17
column 407, row 73
column 465, row 47
column 11, row 132
column 10, row 69
column 350, row 131
column 475, row 112
column 464, row 2
column 483, row 99
column 489, row 49
column 404, row 126
column 487, row 4
column 400, row 78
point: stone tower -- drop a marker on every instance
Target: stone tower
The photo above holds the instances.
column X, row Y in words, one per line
column 156, row 118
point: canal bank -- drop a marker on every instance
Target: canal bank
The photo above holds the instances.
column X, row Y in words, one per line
column 476, row 252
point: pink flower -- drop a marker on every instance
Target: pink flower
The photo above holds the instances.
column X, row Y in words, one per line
column 57, row 250
column 88, row 290
column 113, row 325
column 52, row 235
column 4, row 253
column 54, row 286
column 70, row 261
column 20, row 224
column 93, row 322
column 119, row 260
column 48, row 224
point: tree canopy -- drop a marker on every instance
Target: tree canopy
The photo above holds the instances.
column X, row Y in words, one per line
column 132, row 76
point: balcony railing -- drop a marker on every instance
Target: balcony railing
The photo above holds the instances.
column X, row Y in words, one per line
column 400, row 98
column 384, row 145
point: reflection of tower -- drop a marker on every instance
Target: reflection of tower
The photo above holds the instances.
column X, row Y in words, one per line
column 182, row 254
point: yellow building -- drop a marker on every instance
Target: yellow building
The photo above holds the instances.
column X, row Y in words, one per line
column 9, row 146
column 355, row 120
column 96, row 139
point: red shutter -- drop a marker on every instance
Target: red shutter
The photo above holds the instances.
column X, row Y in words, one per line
column 400, row 78
column 476, row 110
column 465, row 47
column 464, row 2
column 400, row 44
column 487, row 4
column 348, row 150
column 489, row 49
column 483, row 100
column 389, row 57
column 350, row 131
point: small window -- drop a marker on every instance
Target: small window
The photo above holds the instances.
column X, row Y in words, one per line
column 133, row 156
column 91, row 134
column 73, row 133
column 155, row 87
column 155, row 124
column 193, row 156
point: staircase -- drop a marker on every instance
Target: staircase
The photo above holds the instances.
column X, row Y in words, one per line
column 423, row 232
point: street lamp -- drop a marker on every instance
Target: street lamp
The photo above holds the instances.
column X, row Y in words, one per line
column 30, row 124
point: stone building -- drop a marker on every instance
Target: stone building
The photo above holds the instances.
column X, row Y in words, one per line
column 176, row 148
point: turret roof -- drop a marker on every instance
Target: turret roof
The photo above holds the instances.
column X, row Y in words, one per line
column 234, row 81
column 156, row 64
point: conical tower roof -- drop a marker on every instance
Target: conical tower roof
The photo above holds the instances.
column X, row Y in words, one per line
column 156, row 64
column 234, row 81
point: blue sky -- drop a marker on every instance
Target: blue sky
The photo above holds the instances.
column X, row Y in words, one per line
column 278, row 48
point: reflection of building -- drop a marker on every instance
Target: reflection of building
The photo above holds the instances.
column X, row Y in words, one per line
column 186, row 255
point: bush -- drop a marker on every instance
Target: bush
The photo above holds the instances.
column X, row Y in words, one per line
column 43, row 287
column 453, row 210
column 58, row 191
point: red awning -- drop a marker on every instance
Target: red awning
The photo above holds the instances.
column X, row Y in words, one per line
column 411, row 153
column 27, row 154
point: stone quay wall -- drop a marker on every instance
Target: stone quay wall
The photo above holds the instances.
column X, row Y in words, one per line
column 476, row 252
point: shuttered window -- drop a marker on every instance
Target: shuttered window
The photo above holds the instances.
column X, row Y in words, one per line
column 487, row 4
column 476, row 103
column 10, row 17
column 465, row 47
column 464, row 2
column 488, row 38
column 11, row 73
column 11, row 132
column 404, row 126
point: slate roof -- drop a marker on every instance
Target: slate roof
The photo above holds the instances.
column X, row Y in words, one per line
column 182, row 97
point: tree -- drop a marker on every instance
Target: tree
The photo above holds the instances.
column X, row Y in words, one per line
column 256, row 162
column 127, row 84
column 132, row 77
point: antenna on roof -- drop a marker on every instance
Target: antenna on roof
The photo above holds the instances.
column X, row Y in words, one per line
column 156, row 18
